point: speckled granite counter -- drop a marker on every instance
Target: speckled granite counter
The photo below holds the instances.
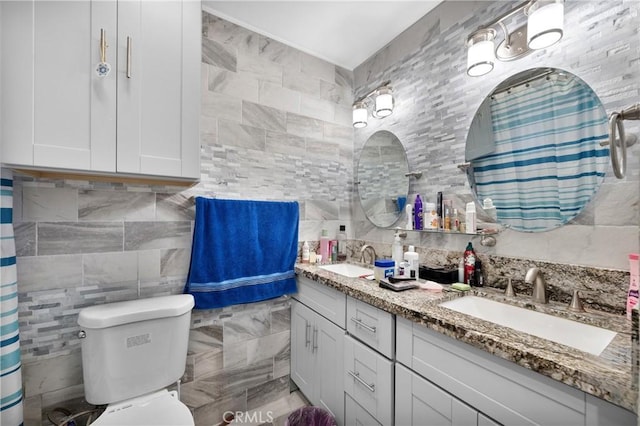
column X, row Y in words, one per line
column 608, row 376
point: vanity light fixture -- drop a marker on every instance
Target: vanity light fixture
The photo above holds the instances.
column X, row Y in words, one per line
column 544, row 27
column 382, row 105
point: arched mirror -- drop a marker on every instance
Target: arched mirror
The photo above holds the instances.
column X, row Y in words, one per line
column 534, row 149
column 382, row 182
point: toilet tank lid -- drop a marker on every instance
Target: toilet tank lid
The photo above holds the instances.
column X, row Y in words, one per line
column 113, row 314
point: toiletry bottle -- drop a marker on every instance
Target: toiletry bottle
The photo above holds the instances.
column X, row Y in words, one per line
column 409, row 217
column 417, row 213
column 324, row 247
column 413, row 258
column 461, row 270
column 334, row 251
column 479, row 278
column 447, row 219
column 469, row 264
column 470, row 218
column 455, row 221
column 489, row 208
column 430, row 216
column 632, row 295
column 397, row 250
column 342, row 244
column 305, row 252
column 439, row 210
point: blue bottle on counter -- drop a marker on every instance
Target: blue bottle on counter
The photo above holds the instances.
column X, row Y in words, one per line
column 417, row 213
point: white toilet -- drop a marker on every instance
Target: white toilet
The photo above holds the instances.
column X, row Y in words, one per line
column 131, row 351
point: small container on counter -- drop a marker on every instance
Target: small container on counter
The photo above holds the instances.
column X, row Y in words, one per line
column 384, row 268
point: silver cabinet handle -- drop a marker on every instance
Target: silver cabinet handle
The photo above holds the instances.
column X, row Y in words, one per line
column 356, row 376
column 129, row 47
column 306, row 334
column 359, row 322
column 314, row 348
column 103, row 45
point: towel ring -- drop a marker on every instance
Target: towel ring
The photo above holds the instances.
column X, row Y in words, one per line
column 616, row 125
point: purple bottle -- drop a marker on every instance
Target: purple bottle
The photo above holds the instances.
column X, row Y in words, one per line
column 417, row 213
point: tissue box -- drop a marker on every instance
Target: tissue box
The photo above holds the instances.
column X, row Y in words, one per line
column 439, row 275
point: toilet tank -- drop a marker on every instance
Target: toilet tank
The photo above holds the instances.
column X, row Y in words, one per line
column 134, row 347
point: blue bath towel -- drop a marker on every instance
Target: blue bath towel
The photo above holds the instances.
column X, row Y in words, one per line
column 243, row 251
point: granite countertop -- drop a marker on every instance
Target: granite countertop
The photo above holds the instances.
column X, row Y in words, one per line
column 607, row 376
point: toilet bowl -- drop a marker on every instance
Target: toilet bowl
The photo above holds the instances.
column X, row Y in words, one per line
column 131, row 352
column 159, row 409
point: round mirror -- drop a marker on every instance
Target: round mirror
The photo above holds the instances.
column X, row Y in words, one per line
column 534, row 149
column 382, row 182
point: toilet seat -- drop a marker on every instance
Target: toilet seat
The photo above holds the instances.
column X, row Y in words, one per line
column 154, row 409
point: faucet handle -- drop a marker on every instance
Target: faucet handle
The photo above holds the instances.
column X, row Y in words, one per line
column 576, row 303
column 509, row 290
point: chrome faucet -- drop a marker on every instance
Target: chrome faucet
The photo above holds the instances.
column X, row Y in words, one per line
column 372, row 252
column 534, row 277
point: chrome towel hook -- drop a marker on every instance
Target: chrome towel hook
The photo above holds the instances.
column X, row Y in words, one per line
column 616, row 128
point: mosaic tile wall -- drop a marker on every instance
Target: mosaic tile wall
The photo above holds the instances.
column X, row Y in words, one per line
column 436, row 101
column 275, row 125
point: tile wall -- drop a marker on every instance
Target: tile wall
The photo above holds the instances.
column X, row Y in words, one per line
column 275, row 125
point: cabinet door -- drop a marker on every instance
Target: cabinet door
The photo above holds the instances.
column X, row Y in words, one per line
column 56, row 111
column 419, row 402
column 328, row 344
column 159, row 87
column 355, row 415
column 302, row 359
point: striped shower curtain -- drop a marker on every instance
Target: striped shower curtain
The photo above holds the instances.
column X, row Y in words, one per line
column 10, row 374
column 547, row 160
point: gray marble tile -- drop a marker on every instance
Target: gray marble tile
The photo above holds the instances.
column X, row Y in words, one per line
column 273, row 390
column 274, row 95
column 32, row 410
column 304, row 126
column 244, row 377
column 260, row 68
column 149, row 265
column 282, row 363
column 87, row 237
column 115, row 205
column 25, row 238
column 218, row 54
column 175, row 262
column 174, row 206
column 263, row 117
column 50, row 374
column 49, row 204
column 317, row 108
column 344, row 78
column 247, row 326
column 339, row 134
column 206, row 339
column 280, row 319
column 156, row 235
column 213, row 412
column 267, row 347
column 317, row 67
column 279, row 53
column 59, row 397
column 335, row 93
column 301, row 82
column 233, row 84
column 110, row 268
column 218, row 105
column 241, row 136
column 223, row 31
column 38, row 273
column 322, row 210
column 235, row 355
column 283, row 143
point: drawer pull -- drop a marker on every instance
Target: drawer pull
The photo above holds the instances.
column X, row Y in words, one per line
column 356, row 376
column 314, row 348
column 359, row 322
column 306, row 334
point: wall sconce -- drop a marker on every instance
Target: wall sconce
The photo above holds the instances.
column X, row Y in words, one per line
column 383, row 105
column 544, row 27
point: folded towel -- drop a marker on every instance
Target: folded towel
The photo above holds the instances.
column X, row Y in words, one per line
column 243, row 251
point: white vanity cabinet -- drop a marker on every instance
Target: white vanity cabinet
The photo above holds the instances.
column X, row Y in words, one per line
column 317, row 345
column 368, row 363
column 142, row 118
column 451, row 372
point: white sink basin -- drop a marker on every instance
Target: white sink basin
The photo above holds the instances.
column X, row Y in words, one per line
column 348, row 270
column 584, row 337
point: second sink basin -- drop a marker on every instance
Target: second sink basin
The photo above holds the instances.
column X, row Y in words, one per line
column 347, row 270
column 584, row 337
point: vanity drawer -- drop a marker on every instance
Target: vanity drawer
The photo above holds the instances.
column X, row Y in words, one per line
column 368, row 379
column 327, row 301
column 354, row 414
column 371, row 326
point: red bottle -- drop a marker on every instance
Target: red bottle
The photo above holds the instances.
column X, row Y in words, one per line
column 469, row 265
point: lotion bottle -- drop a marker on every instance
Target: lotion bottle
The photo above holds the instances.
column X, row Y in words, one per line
column 470, row 218
column 413, row 258
column 305, row 252
column 409, row 217
column 324, row 247
column 396, row 251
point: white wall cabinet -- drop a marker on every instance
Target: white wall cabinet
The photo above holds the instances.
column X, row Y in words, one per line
column 58, row 113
